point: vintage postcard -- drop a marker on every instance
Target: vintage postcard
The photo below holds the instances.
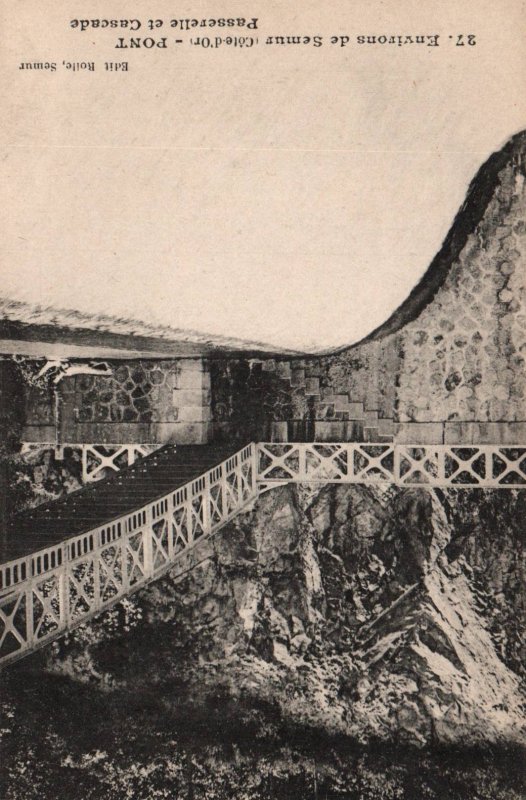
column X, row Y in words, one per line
column 263, row 400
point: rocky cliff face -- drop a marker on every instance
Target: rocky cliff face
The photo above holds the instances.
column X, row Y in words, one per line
column 359, row 611
column 363, row 615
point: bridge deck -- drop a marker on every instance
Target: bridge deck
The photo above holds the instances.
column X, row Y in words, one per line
column 66, row 561
column 132, row 488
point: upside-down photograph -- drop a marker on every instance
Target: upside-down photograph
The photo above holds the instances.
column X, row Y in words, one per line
column 263, row 401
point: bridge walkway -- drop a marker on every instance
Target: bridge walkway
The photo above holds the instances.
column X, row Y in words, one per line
column 71, row 559
column 66, row 561
column 149, row 479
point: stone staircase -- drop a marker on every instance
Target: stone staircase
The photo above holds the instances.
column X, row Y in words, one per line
column 337, row 417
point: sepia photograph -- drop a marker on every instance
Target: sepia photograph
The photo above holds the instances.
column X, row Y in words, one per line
column 263, row 400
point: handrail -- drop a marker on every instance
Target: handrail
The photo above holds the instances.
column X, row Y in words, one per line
column 460, row 466
column 47, row 593
column 97, row 459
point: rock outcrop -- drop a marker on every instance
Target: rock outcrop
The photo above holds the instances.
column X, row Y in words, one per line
column 353, row 610
column 348, row 641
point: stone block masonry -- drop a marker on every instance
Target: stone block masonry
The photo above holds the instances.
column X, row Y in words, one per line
column 256, row 400
column 448, row 366
column 143, row 401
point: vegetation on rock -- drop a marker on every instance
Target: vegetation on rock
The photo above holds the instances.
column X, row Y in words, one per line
column 336, row 643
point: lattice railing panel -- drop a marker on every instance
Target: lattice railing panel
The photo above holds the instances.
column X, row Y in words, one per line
column 47, row 606
column 279, row 461
column 327, row 462
column 81, row 588
column 135, row 558
column 180, row 529
column 51, row 591
column 160, row 544
column 246, row 479
column 98, row 460
column 490, row 466
column 216, row 503
column 111, row 572
column 372, row 463
column 13, row 624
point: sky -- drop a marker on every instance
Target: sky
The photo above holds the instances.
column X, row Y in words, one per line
column 293, row 195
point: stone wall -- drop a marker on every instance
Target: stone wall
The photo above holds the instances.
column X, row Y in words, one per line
column 291, row 400
column 141, row 401
column 463, row 358
column 448, row 366
column 39, row 412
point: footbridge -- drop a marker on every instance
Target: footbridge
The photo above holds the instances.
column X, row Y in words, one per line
column 65, row 562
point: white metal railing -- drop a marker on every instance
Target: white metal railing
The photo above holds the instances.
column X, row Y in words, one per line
column 464, row 466
column 49, row 592
column 97, row 460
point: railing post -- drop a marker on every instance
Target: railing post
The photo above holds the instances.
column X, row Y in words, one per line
column 488, row 466
column 170, row 522
column 147, row 542
column 302, row 461
column 63, row 594
column 224, row 491
column 255, row 467
column 124, row 558
column 239, row 481
column 441, row 465
column 205, row 505
column 84, row 456
column 396, row 465
column 190, row 522
column 96, row 570
column 351, row 465
column 30, row 618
